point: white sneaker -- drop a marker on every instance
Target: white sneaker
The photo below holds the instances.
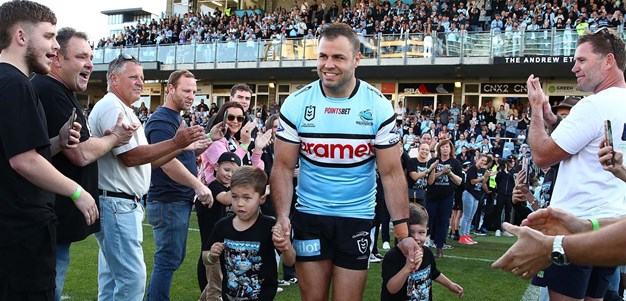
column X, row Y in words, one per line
column 374, row 259
column 498, row 233
column 283, row 283
column 279, row 289
column 386, row 245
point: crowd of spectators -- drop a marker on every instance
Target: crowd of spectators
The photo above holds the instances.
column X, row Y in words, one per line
column 472, row 130
column 369, row 18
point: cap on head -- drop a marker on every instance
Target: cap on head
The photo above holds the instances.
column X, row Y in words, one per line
column 568, row 102
column 229, row 157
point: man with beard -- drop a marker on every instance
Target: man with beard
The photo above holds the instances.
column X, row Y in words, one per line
column 69, row 73
column 582, row 187
column 27, row 179
column 336, row 191
column 124, row 178
column 173, row 186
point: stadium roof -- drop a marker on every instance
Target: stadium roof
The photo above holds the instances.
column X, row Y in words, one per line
column 137, row 11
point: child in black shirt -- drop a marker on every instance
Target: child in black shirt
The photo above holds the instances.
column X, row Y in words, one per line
column 400, row 279
column 245, row 242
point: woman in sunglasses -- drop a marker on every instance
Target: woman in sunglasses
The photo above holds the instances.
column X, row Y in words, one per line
column 237, row 138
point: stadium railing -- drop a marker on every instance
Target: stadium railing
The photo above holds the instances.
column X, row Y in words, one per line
column 490, row 44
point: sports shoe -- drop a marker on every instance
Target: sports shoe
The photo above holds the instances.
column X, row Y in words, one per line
column 455, row 237
column 498, row 233
column 447, row 247
column 481, row 232
column 386, row 245
column 429, row 244
column 279, row 289
column 293, row 280
column 374, row 259
column 473, row 242
column 283, row 283
column 465, row 240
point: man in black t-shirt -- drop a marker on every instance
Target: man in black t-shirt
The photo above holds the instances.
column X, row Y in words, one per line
column 27, row 179
column 69, row 73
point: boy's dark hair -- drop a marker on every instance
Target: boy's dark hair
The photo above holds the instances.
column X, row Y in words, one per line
column 16, row 11
column 417, row 214
column 250, row 176
column 240, row 87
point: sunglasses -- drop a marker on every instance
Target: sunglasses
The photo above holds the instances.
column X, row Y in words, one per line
column 608, row 35
column 239, row 118
column 119, row 59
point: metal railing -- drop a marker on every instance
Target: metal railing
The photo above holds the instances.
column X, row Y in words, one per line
column 408, row 46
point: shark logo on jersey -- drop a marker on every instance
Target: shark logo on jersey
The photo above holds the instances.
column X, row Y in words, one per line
column 309, row 113
column 366, row 115
column 366, row 118
column 362, row 243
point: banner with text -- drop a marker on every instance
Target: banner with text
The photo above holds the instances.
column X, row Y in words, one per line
column 534, row 60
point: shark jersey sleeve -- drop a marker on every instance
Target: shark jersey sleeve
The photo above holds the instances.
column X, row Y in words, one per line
column 337, row 139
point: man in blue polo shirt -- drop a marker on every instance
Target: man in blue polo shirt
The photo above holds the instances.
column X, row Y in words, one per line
column 173, row 186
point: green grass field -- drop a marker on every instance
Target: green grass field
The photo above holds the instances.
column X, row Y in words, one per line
column 465, row 265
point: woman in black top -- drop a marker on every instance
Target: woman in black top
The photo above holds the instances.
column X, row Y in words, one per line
column 443, row 178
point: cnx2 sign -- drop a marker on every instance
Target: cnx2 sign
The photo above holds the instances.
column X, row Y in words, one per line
column 503, row 88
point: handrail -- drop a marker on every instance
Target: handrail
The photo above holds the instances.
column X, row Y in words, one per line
column 489, row 44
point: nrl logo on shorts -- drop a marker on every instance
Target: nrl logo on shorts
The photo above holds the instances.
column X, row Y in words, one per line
column 309, row 113
column 362, row 244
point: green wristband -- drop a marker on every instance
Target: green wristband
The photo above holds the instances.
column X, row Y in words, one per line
column 427, row 170
column 595, row 224
column 76, row 194
column 208, row 258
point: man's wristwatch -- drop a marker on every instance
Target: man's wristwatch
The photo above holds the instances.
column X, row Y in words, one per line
column 558, row 253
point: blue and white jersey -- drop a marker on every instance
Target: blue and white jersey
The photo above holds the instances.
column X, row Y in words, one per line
column 337, row 138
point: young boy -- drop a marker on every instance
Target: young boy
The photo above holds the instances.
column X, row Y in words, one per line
column 400, row 281
column 245, row 242
column 210, row 276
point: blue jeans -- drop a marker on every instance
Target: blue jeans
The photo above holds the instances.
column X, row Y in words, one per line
column 63, row 262
column 121, row 268
column 439, row 218
column 170, row 222
column 470, row 204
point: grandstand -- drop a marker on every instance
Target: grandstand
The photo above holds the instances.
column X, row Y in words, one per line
column 420, row 42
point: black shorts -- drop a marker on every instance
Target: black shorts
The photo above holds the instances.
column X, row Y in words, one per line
column 576, row 281
column 27, row 268
column 347, row 242
column 457, row 203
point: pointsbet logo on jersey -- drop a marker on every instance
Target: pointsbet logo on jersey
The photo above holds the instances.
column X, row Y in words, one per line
column 339, row 111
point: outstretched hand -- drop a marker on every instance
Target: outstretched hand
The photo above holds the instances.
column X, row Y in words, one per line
column 188, row 135
column 529, row 255
column 555, row 221
column 123, row 132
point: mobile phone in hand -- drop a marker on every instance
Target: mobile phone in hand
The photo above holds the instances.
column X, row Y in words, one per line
column 608, row 134
column 224, row 126
column 526, row 169
column 72, row 119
